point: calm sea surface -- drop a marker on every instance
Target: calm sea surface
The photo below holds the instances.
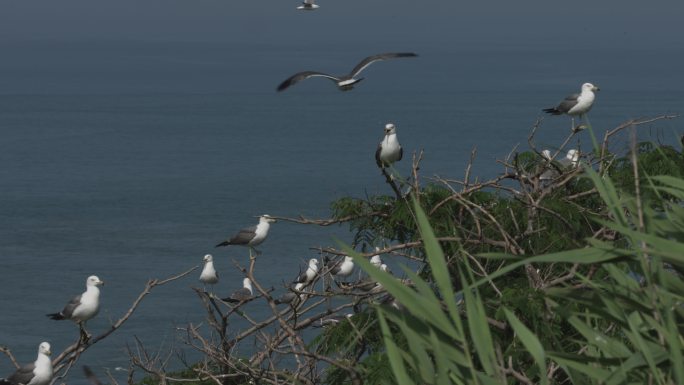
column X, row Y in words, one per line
column 132, row 160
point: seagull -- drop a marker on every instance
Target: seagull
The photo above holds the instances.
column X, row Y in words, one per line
column 341, row 268
column 333, row 320
column 251, row 236
column 576, row 104
column 290, row 296
column 389, row 150
column 344, row 82
column 375, row 260
column 38, row 372
column 82, row 307
column 209, row 275
column 243, row 294
column 310, row 272
column 570, row 161
column 307, row 5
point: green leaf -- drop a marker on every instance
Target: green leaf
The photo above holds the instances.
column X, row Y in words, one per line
column 530, row 341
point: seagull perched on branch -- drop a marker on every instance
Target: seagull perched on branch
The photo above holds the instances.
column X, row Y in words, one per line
column 576, row 104
column 570, row 161
column 340, row 268
column 389, row 150
column 290, row 296
column 243, row 294
column 310, row 273
column 344, row 82
column 82, row 307
column 251, row 236
column 209, row 276
column 307, row 5
column 38, row 372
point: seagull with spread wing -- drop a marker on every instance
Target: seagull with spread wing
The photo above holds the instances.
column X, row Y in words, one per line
column 344, row 82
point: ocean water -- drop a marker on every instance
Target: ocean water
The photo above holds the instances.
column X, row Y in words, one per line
column 132, row 160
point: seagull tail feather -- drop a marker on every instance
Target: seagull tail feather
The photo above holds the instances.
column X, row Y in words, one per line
column 56, row 316
column 224, row 243
column 552, row 111
column 4, row 381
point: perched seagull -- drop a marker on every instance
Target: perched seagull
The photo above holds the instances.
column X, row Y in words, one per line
column 209, row 276
column 576, row 104
column 341, row 268
column 307, row 5
column 38, row 372
column 570, row 161
column 310, row 273
column 344, row 82
column 82, row 307
column 389, row 150
column 251, row 236
column 375, row 260
column 290, row 296
column 243, row 294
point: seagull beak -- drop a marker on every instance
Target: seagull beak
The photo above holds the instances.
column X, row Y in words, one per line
column 101, row 283
column 596, row 89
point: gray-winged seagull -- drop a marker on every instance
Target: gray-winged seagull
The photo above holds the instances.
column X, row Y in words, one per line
column 38, row 372
column 308, row 5
column 243, row 294
column 389, row 150
column 341, row 268
column 570, row 161
column 82, row 307
column 310, row 273
column 290, row 296
column 576, row 104
column 344, row 82
column 251, row 236
column 209, row 276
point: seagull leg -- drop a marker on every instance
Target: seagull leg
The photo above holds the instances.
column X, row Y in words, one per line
column 85, row 336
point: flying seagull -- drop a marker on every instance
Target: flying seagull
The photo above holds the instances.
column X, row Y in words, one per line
column 310, row 273
column 38, row 372
column 251, row 236
column 341, row 268
column 344, row 82
column 241, row 295
column 82, row 307
column 209, row 275
column 389, row 150
column 307, row 5
column 576, row 104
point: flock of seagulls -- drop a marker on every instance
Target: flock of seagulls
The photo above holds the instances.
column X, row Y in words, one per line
column 85, row 306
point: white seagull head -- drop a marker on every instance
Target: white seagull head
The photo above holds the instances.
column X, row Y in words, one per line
column 586, row 87
column 208, row 258
column 390, row 129
column 247, row 284
column 94, row 281
column 573, row 156
column 313, row 262
column 44, row 348
column 267, row 218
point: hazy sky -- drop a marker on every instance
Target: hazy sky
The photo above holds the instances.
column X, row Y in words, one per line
column 624, row 22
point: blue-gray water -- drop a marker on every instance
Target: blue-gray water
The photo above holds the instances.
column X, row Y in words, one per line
column 132, row 160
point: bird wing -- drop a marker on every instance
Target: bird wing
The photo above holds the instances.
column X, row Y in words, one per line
column 243, row 236
column 23, row 375
column 372, row 59
column 401, row 153
column 241, row 295
column 567, row 103
column 303, row 75
column 68, row 310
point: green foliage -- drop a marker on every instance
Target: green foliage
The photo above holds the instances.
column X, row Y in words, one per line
column 616, row 317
